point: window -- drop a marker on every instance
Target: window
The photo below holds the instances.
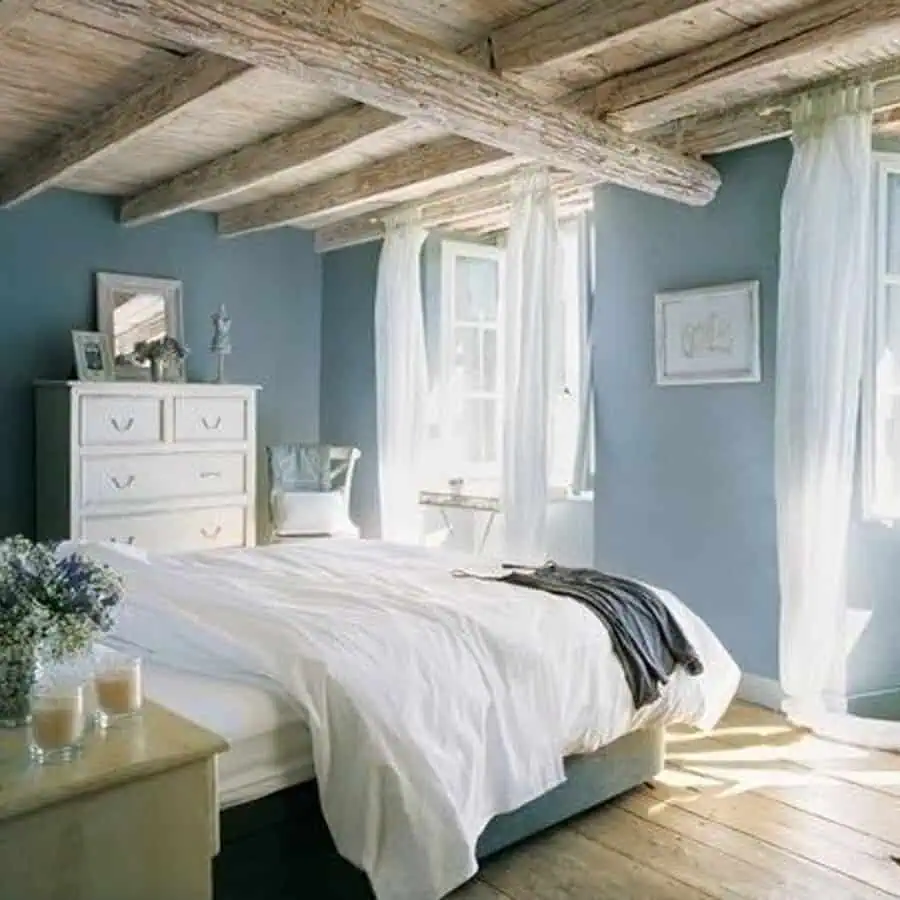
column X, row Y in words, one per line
column 468, row 366
column 471, row 416
column 881, row 397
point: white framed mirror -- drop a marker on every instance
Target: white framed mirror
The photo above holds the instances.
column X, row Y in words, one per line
column 134, row 308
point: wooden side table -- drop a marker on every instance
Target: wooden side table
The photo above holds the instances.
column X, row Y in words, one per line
column 134, row 818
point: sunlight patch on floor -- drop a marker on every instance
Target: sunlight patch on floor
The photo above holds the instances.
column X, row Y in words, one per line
column 807, row 749
column 748, row 731
column 742, row 780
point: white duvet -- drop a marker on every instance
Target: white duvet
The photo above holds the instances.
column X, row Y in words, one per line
column 434, row 703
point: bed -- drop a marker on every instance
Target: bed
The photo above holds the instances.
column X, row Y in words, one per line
column 274, row 840
column 428, row 720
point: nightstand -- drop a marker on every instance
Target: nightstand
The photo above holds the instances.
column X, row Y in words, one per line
column 135, row 817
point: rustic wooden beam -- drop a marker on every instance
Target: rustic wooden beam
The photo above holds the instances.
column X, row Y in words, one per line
column 14, row 11
column 184, row 81
column 662, row 92
column 444, row 209
column 768, row 118
column 571, row 29
column 411, row 172
column 498, row 220
column 381, row 65
column 567, row 29
column 294, row 150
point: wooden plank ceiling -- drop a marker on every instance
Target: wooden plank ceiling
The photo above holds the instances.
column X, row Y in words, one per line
column 333, row 114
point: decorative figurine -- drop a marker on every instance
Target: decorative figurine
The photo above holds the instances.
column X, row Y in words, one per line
column 221, row 342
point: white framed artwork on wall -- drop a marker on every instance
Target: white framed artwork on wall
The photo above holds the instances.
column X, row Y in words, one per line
column 708, row 335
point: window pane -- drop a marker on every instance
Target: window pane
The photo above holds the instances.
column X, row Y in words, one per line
column 477, row 289
column 466, row 359
column 489, row 359
column 893, row 224
column 480, row 426
column 889, row 360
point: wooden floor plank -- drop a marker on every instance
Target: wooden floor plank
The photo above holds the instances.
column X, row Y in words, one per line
column 833, row 846
column 755, row 809
column 761, row 767
column 875, row 769
column 565, row 865
column 477, row 890
column 692, row 862
column 802, row 879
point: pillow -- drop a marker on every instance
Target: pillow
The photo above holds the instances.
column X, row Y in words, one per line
column 300, row 513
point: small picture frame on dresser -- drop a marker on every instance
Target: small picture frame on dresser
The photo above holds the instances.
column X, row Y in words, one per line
column 93, row 356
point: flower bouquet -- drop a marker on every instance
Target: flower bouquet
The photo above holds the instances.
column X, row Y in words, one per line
column 165, row 355
column 52, row 606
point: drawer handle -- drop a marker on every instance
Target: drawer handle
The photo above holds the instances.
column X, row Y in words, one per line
column 122, row 485
column 211, row 535
column 129, row 422
column 210, row 474
column 212, row 425
column 123, row 540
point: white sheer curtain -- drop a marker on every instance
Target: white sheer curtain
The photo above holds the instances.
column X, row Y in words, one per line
column 401, row 379
column 823, row 299
column 532, row 323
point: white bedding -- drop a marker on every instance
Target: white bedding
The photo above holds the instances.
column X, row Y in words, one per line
column 433, row 703
column 269, row 745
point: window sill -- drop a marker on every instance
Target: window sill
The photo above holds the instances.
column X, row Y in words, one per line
column 566, row 496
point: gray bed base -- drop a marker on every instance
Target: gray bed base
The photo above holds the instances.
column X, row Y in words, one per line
column 279, row 848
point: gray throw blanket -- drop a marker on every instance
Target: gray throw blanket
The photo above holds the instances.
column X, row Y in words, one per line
column 646, row 638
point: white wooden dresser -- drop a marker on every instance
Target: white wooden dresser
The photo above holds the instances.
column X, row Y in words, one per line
column 167, row 467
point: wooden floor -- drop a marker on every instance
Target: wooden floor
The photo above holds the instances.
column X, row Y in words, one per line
column 754, row 809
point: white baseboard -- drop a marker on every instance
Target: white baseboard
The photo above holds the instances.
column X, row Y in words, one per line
column 767, row 692
column 760, row 690
column 883, row 704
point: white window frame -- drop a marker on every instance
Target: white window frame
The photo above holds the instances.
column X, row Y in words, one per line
column 879, row 482
column 579, row 479
column 451, row 251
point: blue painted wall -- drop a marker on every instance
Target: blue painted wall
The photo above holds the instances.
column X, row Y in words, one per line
column 348, row 370
column 685, row 475
column 685, row 494
column 50, row 248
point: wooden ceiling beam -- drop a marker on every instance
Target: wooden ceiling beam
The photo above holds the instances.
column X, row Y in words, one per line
column 185, row 80
column 444, row 209
column 566, row 30
column 376, row 63
column 499, row 220
column 13, row 12
column 768, row 118
column 571, row 29
column 294, row 150
column 408, row 173
column 665, row 91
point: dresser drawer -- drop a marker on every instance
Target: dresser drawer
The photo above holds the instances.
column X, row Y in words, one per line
column 120, row 420
column 142, row 478
column 210, row 419
column 172, row 532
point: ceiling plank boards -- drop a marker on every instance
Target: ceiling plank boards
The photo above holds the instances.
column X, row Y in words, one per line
column 300, row 147
column 571, row 29
column 381, row 65
column 186, row 80
column 662, row 92
column 417, row 170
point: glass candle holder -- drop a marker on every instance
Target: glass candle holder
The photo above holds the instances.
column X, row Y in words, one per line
column 118, row 691
column 57, row 715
